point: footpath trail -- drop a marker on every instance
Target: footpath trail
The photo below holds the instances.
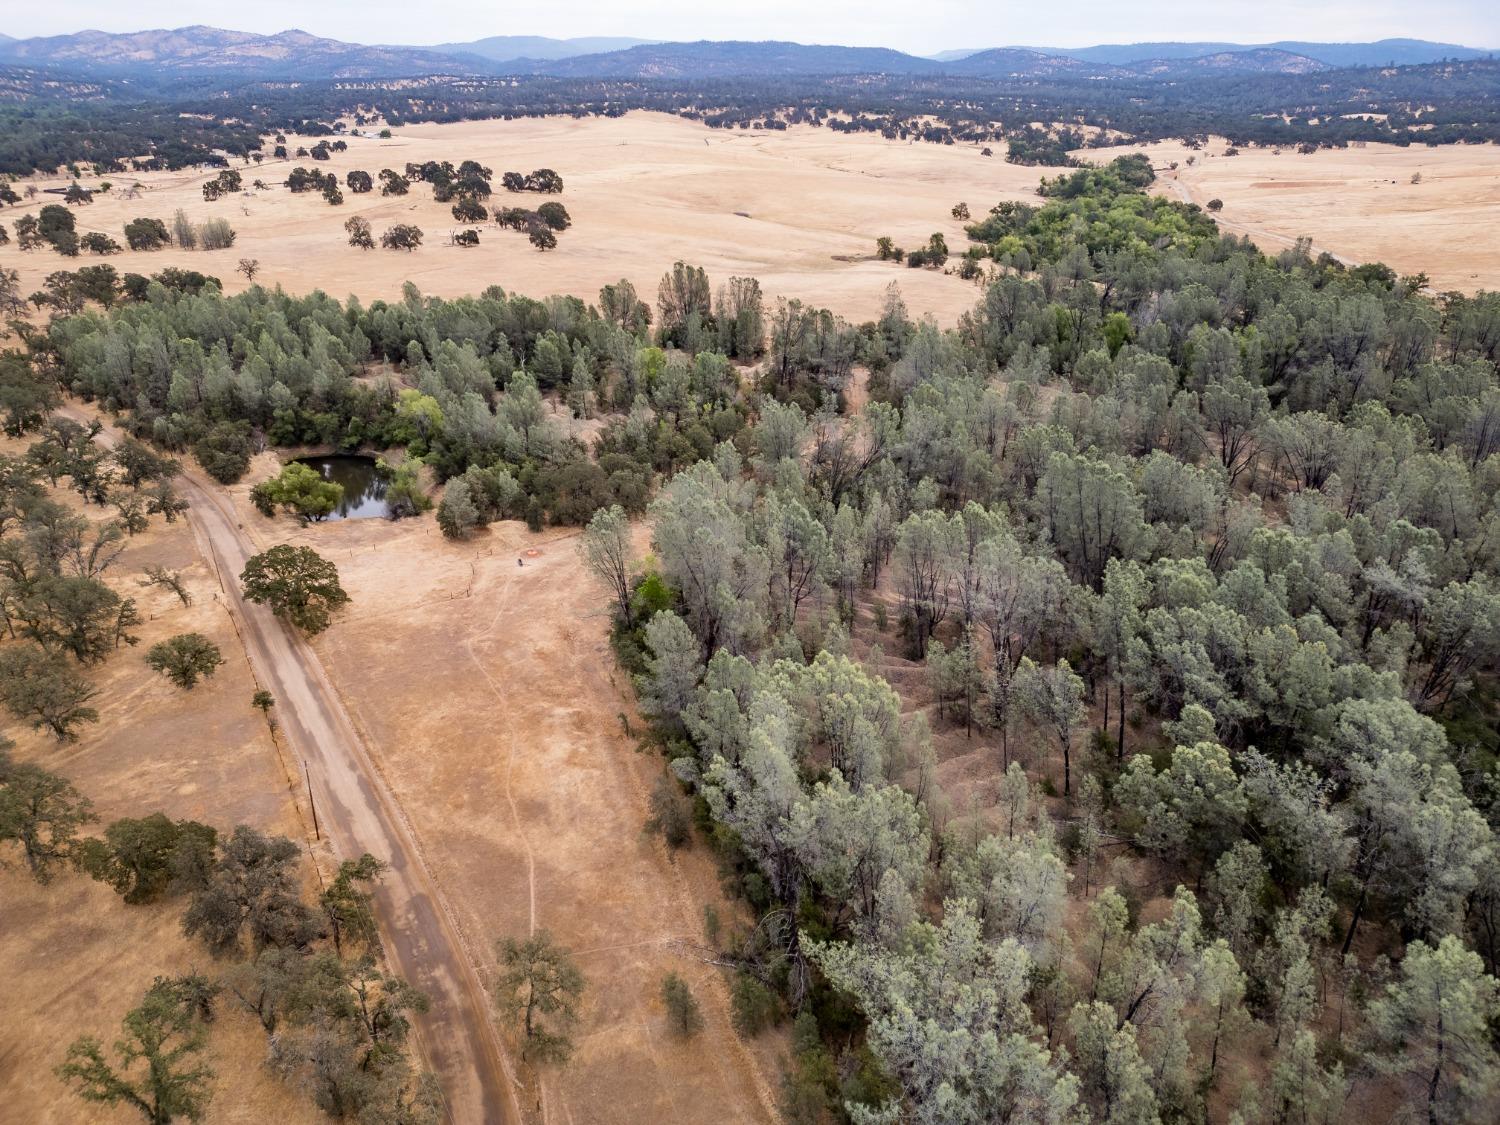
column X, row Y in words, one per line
column 359, row 814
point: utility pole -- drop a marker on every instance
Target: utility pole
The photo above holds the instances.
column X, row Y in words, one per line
column 306, row 773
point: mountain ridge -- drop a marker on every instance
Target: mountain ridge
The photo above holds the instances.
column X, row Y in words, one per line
column 198, row 50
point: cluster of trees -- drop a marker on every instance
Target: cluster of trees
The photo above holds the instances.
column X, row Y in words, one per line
column 1225, row 595
column 541, row 226
column 543, row 180
column 301, row 179
column 194, row 370
column 59, row 613
column 336, row 1022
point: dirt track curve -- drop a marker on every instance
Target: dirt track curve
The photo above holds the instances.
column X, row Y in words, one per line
column 358, row 813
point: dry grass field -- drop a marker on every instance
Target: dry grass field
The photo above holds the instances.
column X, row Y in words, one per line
column 799, row 209
column 488, row 695
column 1357, row 203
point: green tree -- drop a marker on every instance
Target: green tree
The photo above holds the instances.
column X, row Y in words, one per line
column 539, row 988
column 297, row 584
column 158, row 1072
column 298, row 488
column 184, row 658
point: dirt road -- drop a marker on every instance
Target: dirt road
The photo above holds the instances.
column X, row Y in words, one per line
column 357, row 813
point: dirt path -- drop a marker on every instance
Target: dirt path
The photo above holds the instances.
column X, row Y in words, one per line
column 457, row 1037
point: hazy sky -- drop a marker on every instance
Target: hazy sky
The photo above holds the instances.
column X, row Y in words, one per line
column 911, row 25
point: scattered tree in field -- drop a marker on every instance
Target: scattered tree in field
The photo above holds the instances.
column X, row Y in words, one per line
column 402, row 236
column 359, row 182
column 249, row 267
column 41, row 814
column 159, row 1072
column 538, row 989
column 298, row 488
column 358, row 228
column 263, row 701
column 1216, row 205
column 469, row 210
column 226, row 182
column 146, row 234
column 185, row 658
column 393, row 183
column 683, row 1015
column 297, row 584
column 168, row 579
column 44, row 690
column 961, row 212
column 541, row 236
column 555, row 215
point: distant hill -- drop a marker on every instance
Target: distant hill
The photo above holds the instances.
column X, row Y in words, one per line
column 1007, row 62
column 506, row 48
column 733, row 58
column 1402, row 52
column 209, row 50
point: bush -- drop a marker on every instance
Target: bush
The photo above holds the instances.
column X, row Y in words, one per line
column 224, row 451
column 216, row 234
column 683, row 1016
column 670, row 814
column 755, row 1006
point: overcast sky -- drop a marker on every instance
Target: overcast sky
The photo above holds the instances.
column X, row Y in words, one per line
column 912, row 25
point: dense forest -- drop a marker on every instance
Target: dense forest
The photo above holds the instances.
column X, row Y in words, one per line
column 1198, row 548
column 47, row 121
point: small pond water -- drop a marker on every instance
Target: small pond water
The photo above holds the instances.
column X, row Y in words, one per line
column 364, row 487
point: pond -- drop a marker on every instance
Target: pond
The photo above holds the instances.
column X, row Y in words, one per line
column 364, row 486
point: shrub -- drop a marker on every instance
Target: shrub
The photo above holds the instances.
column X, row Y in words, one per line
column 683, row 1016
